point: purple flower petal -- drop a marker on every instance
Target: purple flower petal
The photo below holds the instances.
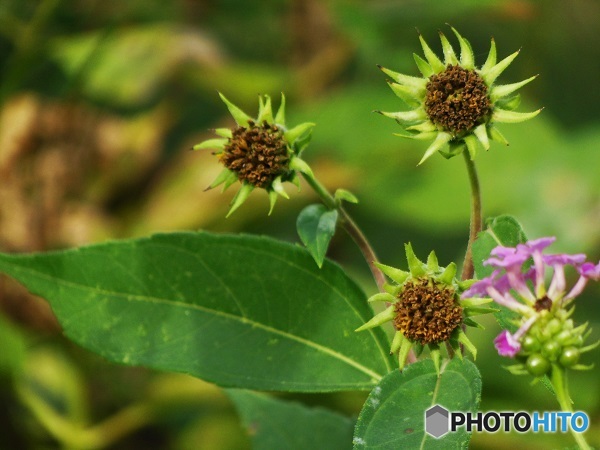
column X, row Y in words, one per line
column 507, row 345
column 537, row 245
column 564, row 259
column 590, row 271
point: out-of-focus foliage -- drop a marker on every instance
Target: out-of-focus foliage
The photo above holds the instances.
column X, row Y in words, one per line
column 100, row 102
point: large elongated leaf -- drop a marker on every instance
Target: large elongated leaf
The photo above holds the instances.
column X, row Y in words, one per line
column 283, row 425
column 393, row 415
column 239, row 311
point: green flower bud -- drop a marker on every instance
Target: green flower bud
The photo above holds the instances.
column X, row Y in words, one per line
column 569, row 357
column 537, row 365
column 551, row 350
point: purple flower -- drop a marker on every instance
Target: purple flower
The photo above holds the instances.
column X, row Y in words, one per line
column 510, row 285
column 590, row 271
column 507, row 345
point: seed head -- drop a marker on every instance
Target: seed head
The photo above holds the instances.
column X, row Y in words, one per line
column 259, row 153
column 457, row 99
column 455, row 104
column 425, row 308
column 427, row 312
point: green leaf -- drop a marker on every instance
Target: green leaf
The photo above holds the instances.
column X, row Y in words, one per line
column 393, row 415
column 502, row 230
column 239, row 311
column 278, row 424
column 316, row 227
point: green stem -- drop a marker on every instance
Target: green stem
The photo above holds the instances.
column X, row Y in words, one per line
column 351, row 228
column 476, row 219
column 559, row 382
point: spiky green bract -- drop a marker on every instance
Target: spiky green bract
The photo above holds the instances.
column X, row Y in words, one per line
column 425, row 307
column 484, row 102
column 259, row 152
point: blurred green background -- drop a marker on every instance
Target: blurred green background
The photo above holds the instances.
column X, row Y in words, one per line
column 101, row 101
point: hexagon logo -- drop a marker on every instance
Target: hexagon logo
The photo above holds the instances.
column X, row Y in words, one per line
column 437, row 421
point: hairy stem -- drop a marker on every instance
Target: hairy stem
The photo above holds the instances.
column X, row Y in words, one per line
column 476, row 220
column 559, row 382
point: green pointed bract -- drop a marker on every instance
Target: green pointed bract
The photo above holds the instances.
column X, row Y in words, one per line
column 392, row 289
column 471, row 323
column 240, row 197
column 504, row 116
column 449, row 55
column 406, row 116
column 448, row 274
column 416, row 266
column 481, row 133
column 301, row 166
column 480, row 310
column 407, row 80
column 397, row 275
column 432, row 262
column 440, row 141
column 435, row 63
column 397, row 342
column 280, row 116
column 495, row 135
column 272, row 201
column 240, row 117
column 418, row 136
column 223, row 176
column 424, row 127
column 423, row 66
column 503, row 90
column 490, row 75
column 211, row 143
column 231, row 179
column 265, row 111
column 224, row 132
column 467, row 59
column 472, row 145
column 382, row 297
column 464, row 340
column 403, row 353
column 474, row 301
column 408, row 94
column 491, row 59
column 379, row 319
column 298, row 131
column 277, row 187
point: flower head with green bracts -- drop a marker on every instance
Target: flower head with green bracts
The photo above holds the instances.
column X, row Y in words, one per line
column 426, row 308
column 456, row 104
column 259, row 153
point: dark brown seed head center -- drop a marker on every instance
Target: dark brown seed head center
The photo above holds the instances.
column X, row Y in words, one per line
column 457, row 99
column 427, row 312
column 257, row 154
column 542, row 304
